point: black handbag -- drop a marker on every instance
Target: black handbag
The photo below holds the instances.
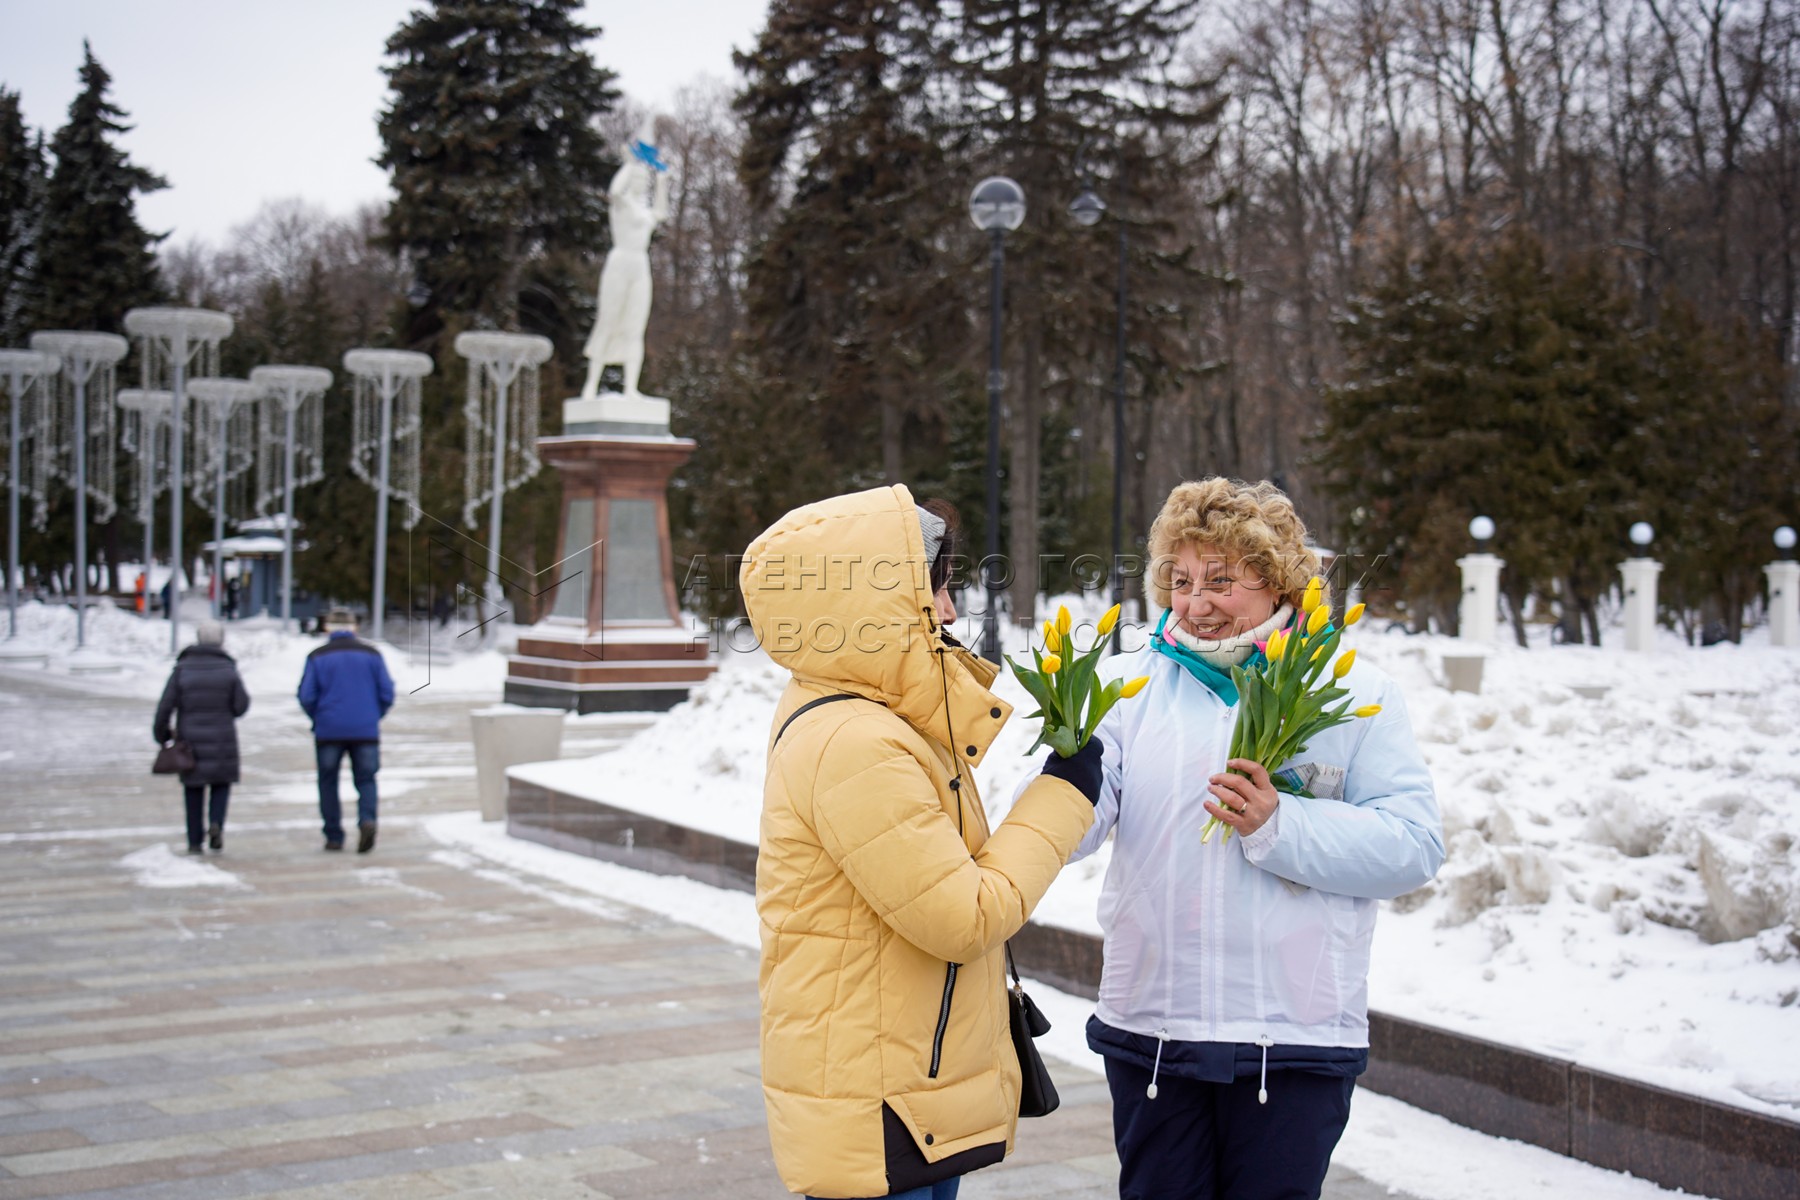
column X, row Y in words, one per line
column 176, row 758
column 1037, row 1091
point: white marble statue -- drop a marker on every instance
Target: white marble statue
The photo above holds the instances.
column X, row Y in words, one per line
column 637, row 207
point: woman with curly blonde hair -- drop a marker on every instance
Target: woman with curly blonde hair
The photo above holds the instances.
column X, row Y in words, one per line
column 1233, row 1007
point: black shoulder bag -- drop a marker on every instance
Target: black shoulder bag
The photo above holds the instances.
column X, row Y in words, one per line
column 1037, row 1091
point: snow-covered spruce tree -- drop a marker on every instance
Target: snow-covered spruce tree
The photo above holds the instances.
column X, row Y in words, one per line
column 94, row 261
column 491, row 142
column 23, row 179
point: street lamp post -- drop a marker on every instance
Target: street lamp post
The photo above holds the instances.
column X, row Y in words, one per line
column 1087, row 209
column 997, row 205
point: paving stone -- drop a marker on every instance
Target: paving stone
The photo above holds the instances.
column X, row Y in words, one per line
column 385, row 1028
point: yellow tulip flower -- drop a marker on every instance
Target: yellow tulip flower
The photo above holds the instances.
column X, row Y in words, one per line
column 1133, row 687
column 1052, row 664
column 1344, row 663
column 1317, row 650
column 1109, row 620
column 1062, row 618
column 1315, row 591
column 1052, row 643
column 1368, row 710
column 1274, row 646
column 1354, row 615
column 1316, row 622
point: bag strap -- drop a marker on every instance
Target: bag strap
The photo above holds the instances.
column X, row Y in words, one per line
column 806, row 708
column 1013, row 967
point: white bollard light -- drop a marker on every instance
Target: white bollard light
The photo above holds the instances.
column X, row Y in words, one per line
column 1639, row 576
column 1784, row 594
column 1477, row 617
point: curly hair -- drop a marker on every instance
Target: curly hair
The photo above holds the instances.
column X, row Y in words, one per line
column 1252, row 523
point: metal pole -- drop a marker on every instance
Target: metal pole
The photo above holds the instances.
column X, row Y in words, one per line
column 12, row 515
column 501, row 382
column 1118, row 512
column 990, row 633
column 81, row 374
column 218, row 571
column 177, row 402
column 147, row 457
column 381, row 503
column 287, row 520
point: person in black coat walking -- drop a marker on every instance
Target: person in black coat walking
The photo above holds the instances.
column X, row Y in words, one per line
column 203, row 699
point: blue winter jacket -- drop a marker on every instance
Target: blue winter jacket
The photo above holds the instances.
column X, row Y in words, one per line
column 346, row 690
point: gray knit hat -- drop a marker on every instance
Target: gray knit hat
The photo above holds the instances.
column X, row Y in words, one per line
column 209, row 633
column 932, row 527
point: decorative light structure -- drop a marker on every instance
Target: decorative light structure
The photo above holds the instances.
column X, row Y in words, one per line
column 225, row 449
column 502, row 438
column 27, row 374
column 384, row 448
column 145, row 437
column 83, row 437
column 293, row 420
column 170, row 340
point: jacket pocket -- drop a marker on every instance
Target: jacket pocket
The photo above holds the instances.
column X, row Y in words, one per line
column 943, row 1021
column 944, row 1132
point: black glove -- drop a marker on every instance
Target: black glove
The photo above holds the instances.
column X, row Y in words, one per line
column 1083, row 770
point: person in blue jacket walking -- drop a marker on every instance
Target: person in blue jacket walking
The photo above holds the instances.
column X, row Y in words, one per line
column 346, row 690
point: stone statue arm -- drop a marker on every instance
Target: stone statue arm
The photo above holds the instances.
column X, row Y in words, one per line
column 659, row 206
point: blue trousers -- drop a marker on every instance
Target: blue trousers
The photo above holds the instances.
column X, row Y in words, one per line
column 937, row 1191
column 198, row 809
column 1214, row 1141
column 365, row 760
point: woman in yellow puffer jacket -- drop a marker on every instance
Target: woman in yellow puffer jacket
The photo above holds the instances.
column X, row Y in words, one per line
column 884, row 900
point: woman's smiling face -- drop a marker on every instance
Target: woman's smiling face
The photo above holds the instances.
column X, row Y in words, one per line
column 1215, row 597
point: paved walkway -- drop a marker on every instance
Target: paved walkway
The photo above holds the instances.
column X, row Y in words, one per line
column 405, row 1024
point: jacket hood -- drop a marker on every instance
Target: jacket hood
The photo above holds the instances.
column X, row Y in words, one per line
column 839, row 593
column 199, row 651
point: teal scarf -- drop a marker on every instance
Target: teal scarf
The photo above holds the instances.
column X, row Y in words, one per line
column 1219, row 681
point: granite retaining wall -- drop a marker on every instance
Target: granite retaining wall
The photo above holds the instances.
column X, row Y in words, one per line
column 1675, row 1140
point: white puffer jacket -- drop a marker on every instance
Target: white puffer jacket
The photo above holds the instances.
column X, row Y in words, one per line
column 1259, row 937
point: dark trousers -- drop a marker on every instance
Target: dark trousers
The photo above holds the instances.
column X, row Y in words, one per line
column 197, row 810
column 1213, row 1141
column 365, row 760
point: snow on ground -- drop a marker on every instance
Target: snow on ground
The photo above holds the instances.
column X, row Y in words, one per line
column 1388, row 1142
column 159, row 867
column 1622, row 887
column 269, row 660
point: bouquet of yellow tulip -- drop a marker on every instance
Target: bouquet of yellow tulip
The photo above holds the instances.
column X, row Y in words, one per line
column 1286, row 700
column 1066, row 685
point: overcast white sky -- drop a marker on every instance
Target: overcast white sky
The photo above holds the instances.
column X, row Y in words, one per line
column 240, row 101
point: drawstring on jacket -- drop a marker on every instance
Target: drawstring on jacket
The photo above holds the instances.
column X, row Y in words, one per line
column 1262, row 1084
column 1162, row 1039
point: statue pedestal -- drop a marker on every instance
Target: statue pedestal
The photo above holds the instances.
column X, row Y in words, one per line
column 614, row 640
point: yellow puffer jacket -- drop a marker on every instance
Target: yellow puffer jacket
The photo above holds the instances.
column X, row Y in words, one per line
column 885, row 902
